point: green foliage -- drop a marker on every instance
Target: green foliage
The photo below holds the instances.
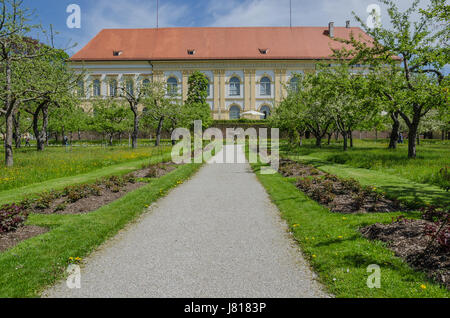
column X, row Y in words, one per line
column 111, row 116
column 196, row 107
column 408, row 58
column 198, row 88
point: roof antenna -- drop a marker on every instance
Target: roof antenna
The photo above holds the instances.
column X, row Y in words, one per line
column 157, row 14
column 290, row 13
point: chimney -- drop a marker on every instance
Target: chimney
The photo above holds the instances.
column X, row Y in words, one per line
column 331, row 29
column 347, row 24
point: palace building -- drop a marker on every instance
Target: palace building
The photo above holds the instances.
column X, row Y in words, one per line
column 248, row 68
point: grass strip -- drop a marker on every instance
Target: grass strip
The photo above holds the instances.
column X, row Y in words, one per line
column 18, row 194
column 337, row 251
column 412, row 193
column 28, row 268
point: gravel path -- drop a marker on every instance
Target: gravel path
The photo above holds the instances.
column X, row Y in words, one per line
column 217, row 235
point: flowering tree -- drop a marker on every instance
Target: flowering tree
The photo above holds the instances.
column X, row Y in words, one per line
column 413, row 53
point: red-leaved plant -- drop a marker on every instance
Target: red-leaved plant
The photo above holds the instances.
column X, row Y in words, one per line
column 12, row 216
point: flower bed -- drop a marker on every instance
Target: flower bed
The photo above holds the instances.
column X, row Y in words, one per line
column 339, row 195
column 424, row 243
column 75, row 199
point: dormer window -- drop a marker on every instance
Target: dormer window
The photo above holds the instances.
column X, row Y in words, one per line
column 190, row 52
column 117, row 53
column 263, row 51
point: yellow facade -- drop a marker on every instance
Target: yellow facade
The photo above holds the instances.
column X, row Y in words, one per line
column 219, row 73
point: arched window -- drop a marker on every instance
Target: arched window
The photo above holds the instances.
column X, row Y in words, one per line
column 146, row 82
column 172, row 86
column 129, row 86
column 96, row 88
column 208, row 88
column 265, row 86
column 235, row 86
column 293, row 84
column 113, row 88
column 80, row 91
column 266, row 111
column 235, row 112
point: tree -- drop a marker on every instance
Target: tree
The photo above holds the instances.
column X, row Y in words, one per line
column 110, row 117
column 348, row 99
column 196, row 107
column 15, row 48
column 52, row 84
column 134, row 95
column 313, row 99
column 159, row 107
column 410, row 50
column 289, row 117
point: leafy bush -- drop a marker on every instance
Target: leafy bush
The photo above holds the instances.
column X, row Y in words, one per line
column 12, row 217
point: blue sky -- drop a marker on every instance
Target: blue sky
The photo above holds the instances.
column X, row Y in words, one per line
column 99, row 14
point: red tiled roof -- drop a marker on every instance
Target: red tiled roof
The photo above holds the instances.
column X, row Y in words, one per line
column 299, row 43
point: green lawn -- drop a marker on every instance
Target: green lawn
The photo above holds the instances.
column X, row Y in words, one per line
column 32, row 167
column 432, row 156
column 28, row 268
column 337, row 251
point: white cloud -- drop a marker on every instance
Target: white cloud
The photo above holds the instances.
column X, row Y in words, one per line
column 304, row 12
column 104, row 14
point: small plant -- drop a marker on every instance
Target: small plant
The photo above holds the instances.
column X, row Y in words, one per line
column 304, row 183
column 44, row 200
column 359, row 199
column 351, row 185
column 328, row 185
column 61, row 207
column 433, row 214
column 12, row 216
column 115, row 188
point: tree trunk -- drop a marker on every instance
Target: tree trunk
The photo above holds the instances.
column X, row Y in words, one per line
column 9, row 162
column 134, row 135
column 350, row 136
column 16, row 134
column 329, row 138
column 63, row 133
column 418, row 139
column 158, row 131
column 300, row 134
column 318, row 141
column 395, row 131
column 79, row 134
column 110, row 139
column 40, row 134
column 412, row 141
column 344, row 135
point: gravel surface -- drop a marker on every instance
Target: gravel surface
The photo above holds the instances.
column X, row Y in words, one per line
column 217, row 235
